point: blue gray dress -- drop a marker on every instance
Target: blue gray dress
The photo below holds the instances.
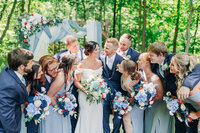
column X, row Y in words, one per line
column 137, row 116
column 55, row 122
column 157, row 118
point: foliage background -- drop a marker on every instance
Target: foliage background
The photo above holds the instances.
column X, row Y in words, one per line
column 122, row 15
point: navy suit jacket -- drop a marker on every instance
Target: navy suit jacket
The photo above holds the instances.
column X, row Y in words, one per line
column 113, row 79
column 134, row 55
column 169, row 79
column 13, row 93
column 192, row 79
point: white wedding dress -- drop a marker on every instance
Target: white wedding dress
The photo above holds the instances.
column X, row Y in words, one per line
column 90, row 118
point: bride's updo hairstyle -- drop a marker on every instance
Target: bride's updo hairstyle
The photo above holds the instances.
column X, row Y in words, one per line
column 184, row 64
column 130, row 67
column 66, row 64
column 90, row 47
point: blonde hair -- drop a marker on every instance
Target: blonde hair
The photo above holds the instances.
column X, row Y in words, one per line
column 184, row 63
column 70, row 39
column 114, row 42
column 158, row 48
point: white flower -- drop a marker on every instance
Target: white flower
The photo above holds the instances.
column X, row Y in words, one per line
column 168, row 93
column 151, row 102
column 67, row 100
column 47, row 113
column 43, row 89
column 179, row 118
column 75, row 105
column 46, row 108
column 141, row 104
column 122, row 112
column 60, row 99
column 172, row 114
column 183, row 107
column 133, row 94
column 121, row 99
column 37, row 103
column 60, row 111
column 129, row 108
column 106, row 90
column 95, row 94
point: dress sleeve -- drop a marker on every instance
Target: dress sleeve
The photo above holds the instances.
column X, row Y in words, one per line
column 79, row 70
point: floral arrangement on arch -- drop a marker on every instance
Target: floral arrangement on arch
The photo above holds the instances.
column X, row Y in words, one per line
column 120, row 104
column 143, row 95
column 28, row 24
column 37, row 107
column 178, row 108
column 65, row 105
column 96, row 89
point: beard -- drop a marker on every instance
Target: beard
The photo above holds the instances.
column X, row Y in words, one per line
column 27, row 70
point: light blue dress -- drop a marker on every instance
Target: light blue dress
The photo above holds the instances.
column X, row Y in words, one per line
column 55, row 122
column 193, row 100
column 137, row 116
column 157, row 118
column 23, row 125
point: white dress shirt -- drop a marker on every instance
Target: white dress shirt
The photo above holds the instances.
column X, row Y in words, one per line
column 110, row 61
column 20, row 77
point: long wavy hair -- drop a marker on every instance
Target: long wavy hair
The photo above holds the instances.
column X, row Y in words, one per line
column 184, row 63
column 66, row 64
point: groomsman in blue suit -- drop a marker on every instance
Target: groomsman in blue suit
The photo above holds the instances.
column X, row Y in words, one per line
column 125, row 49
column 110, row 61
column 73, row 47
column 13, row 91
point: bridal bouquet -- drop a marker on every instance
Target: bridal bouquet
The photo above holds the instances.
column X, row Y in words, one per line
column 178, row 108
column 65, row 105
column 121, row 104
column 96, row 88
column 143, row 95
column 37, row 107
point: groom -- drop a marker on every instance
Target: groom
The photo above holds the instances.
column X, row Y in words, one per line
column 13, row 91
column 112, row 77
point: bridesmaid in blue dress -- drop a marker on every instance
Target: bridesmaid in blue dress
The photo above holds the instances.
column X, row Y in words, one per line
column 181, row 65
column 133, row 121
column 32, row 87
column 55, row 122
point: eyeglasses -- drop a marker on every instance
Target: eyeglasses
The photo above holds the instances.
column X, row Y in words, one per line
column 54, row 69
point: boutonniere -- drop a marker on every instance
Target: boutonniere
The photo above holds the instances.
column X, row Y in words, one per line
column 117, row 66
column 128, row 56
column 165, row 67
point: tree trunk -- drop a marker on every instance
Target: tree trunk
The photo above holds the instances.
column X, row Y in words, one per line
column 8, row 21
column 114, row 17
column 144, row 26
column 76, row 16
column 188, row 26
column 140, row 8
column 84, row 10
column 119, row 24
column 195, row 33
column 3, row 9
column 176, row 29
column 23, row 2
column 29, row 6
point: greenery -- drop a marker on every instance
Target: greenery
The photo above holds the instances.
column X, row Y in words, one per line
column 175, row 22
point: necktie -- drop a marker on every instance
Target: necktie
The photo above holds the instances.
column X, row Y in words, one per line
column 124, row 53
column 23, row 81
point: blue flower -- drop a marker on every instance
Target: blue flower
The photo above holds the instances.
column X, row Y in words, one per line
column 141, row 97
column 65, row 113
column 62, row 105
column 44, row 104
column 30, row 99
column 173, row 105
column 118, row 94
column 32, row 109
column 69, row 106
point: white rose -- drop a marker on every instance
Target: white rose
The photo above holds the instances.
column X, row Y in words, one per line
column 43, row 89
column 168, row 93
column 60, row 111
column 122, row 112
column 172, row 114
column 151, row 102
column 60, row 99
column 67, row 100
column 106, row 91
column 104, row 95
column 75, row 105
column 141, row 104
column 47, row 113
column 121, row 99
column 183, row 107
column 95, row 94
column 37, row 103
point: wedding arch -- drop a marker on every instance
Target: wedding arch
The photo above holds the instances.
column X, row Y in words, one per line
column 37, row 32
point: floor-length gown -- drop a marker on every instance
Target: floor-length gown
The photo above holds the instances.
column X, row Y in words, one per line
column 55, row 122
column 90, row 118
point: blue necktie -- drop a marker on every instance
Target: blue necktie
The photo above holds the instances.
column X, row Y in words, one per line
column 23, row 81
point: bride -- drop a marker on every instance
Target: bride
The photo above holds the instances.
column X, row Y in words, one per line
column 90, row 118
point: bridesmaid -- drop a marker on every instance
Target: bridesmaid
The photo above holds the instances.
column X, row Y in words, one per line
column 55, row 122
column 157, row 118
column 129, row 78
column 181, row 65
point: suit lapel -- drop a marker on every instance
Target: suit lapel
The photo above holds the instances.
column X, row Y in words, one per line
column 105, row 66
column 12, row 73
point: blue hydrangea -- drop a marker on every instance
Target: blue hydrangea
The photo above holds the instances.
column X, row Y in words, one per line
column 32, row 109
column 118, row 94
column 141, row 97
column 69, row 106
column 173, row 105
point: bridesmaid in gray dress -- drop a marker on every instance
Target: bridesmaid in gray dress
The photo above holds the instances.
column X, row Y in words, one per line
column 181, row 65
column 157, row 118
column 55, row 122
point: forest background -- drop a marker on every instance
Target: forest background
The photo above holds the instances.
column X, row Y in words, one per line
column 175, row 22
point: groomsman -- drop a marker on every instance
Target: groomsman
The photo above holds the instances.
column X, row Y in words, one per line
column 110, row 61
column 73, row 47
column 13, row 91
column 125, row 48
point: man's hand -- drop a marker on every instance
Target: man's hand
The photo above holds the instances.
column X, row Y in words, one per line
column 183, row 93
column 193, row 115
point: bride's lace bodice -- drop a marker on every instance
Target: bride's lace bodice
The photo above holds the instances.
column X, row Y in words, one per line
column 86, row 73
